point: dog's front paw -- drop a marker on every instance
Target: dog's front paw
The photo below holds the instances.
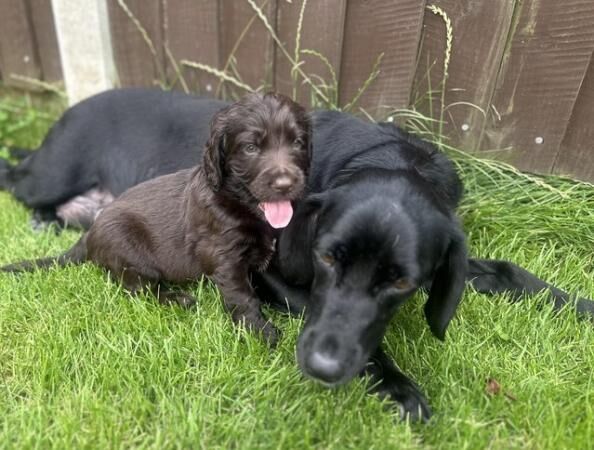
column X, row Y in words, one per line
column 182, row 299
column 271, row 334
column 268, row 331
column 39, row 225
column 255, row 322
column 406, row 398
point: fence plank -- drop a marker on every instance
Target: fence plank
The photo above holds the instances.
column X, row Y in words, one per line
column 576, row 157
column 17, row 43
column 192, row 32
column 254, row 51
column 539, row 81
column 321, row 31
column 135, row 63
column 479, row 36
column 371, row 28
column 85, row 47
column 42, row 19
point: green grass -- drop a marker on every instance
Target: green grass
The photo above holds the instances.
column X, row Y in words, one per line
column 84, row 365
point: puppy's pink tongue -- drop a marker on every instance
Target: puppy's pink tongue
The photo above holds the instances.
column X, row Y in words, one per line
column 278, row 214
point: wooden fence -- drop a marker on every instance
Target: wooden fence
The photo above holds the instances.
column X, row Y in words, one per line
column 520, row 84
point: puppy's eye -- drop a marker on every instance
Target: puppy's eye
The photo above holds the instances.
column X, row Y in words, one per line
column 403, row 284
column 298, row 143
column 250, row 149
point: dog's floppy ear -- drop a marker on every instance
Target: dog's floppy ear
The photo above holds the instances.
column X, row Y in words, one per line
column 448, row 286
column 214, row 152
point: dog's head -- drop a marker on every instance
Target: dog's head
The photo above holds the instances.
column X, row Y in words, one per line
column 372, row 251
column 259, row 150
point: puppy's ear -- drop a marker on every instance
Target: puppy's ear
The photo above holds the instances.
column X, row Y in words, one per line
column 214, row 152
column 448, row 286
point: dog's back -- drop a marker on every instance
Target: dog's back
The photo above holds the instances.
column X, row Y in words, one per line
column 113, row 141
column 344, row 144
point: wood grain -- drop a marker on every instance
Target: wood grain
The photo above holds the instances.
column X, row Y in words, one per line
column 549, row 52
column 576, row 155
column 254, row 52
column 192, row 32
column 322, row 31
column 135, row 63
column 17, row 43
column 380, row 26
column 42, row 20
column 479, row 37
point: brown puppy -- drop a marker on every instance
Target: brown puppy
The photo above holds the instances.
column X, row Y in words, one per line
column 215, row 220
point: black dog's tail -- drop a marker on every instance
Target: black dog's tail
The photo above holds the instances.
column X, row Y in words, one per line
column 497, row 277
column 20, row 153
column 17, row 153
column 76, row 255
column 4, row 170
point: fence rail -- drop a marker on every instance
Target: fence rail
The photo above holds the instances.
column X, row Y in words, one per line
column 520, row 77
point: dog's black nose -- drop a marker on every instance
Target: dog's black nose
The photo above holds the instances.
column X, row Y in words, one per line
column 282, row 183
column 324, row 367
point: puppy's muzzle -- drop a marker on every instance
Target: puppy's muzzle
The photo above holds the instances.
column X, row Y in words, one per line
column 283, row 184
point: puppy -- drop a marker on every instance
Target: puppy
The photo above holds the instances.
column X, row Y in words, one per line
column 217, row 219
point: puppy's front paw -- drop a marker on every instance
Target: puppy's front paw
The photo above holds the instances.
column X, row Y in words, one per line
column 406, row 398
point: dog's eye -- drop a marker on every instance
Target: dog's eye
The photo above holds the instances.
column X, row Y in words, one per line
column 250, row 149
column 331, row 257
column 328, row 258
column 298, row 143
column 403, row 284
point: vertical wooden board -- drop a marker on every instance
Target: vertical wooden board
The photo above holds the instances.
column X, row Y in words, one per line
column 17, row 43
column 321, row 31
column 47, row 41
column 254, row 52
column 539, row 80
column 192, row 32
column 576, row 156
column 479, row 36
column 135, row 63
column 380, row 26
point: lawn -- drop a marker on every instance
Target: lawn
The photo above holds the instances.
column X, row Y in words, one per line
column 84, row 365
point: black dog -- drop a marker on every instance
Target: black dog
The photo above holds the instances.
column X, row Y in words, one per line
column 379, row 224
column 157, row 132
column 104, row 145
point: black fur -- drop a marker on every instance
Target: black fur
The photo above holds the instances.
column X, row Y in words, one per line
column 111, row 141
column 117, row 139
column 379, row 224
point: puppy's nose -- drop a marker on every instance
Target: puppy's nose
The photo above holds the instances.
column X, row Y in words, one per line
column 324, row 367
column 282, row 183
